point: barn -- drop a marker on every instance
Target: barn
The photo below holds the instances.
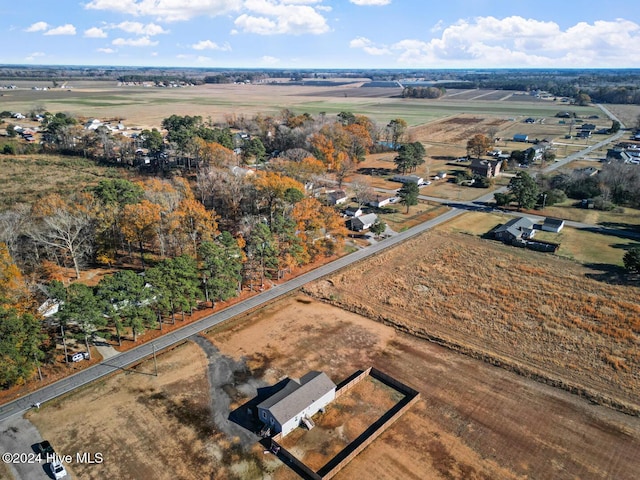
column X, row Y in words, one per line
column 297, row 402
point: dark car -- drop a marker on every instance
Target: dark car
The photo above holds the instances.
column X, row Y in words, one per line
column 45, row 449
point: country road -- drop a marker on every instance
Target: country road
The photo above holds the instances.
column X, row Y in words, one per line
column 135, row 355
column 131, row 357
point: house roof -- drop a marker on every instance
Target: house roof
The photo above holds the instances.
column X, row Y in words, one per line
column 297, row 395
column 553, row 221
column 515, row 226
column 368, row 219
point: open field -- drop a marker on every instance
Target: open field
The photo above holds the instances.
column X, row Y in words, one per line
column 146, row 107
column 473, row 421
column 513, row 306
column 26, row 178
column 586, row 247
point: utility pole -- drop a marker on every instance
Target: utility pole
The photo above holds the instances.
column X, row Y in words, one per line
column 64, row 344
column 35, row 357
column 155, row 360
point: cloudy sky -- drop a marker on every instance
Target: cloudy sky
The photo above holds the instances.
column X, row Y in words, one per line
column 323, row 33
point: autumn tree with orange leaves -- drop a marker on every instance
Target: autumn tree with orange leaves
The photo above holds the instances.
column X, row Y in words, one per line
column 140, row 224
column 272, row 189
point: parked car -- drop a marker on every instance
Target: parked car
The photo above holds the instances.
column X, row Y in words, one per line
column 58, row 470
column 78, row 357
column 45, row 449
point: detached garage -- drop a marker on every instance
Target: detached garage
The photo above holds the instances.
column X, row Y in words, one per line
column 552, row 225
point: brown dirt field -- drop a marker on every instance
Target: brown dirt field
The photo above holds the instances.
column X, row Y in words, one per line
column 473, row 421
column 516, row 307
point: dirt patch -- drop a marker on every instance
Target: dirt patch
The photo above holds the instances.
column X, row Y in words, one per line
column 474, row 421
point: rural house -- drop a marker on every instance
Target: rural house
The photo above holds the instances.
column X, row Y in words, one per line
column 363, row 222
column 408, row 179
column 353, row 211
column 485, row 168
column 515, row 230
column 297, row 402
column 552, row 224
column 520, row 137
column 381, row 201
column 337, row 197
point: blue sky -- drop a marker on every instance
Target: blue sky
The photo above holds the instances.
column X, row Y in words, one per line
column 323, row 33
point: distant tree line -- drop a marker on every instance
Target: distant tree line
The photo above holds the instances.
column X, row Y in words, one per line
column 423, row 92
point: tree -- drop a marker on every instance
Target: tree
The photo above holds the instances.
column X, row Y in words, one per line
column 378, row 228
column 410, row 156
column 409, row 194
column 193, row 223
column 176, row 284
column 362, row 191
column 582, row 99
column 502, row 199
column 127, row 301
column 68, row 228
column 82, row 308
column 631, row 260
column 262, row 250
column 221, row 267
column 140, row 223
column 21, row 339
column 153, row 141
column 478, row 145
column 272, row 187
column 396, row 129
column 524, row 189
column 615, row 126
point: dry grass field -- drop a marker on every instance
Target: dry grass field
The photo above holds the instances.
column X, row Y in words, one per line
column 26, row 178
column 473, row 421
column 543, row 315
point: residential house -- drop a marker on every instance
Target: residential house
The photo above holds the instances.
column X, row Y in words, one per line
column 520, row 137
column 353, row 211
column 241, row 172
column 485, row 168
column 517, row 229
column 93, row 124
column 381, row 201
column 552, row 224
column 408, row 179
column 297, row 402
column 337, row 197
column 589, row 171
column 363, row 222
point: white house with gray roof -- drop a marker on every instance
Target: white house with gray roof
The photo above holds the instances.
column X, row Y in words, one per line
column 297, row 402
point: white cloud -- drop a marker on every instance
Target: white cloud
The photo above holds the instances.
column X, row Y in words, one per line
column 134, row 42
column 517, row 42
column 209, row 45
column 106, row 50
column 370, row 2
column 270, row 17
column 138, row 28
column 167, row 10
column 67, row 29
column 366, row 45
column 95, row 32
column 34, row 55
column 268, row 60
column 37, row 27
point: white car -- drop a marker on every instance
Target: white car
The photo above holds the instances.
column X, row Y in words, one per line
column 58, row 470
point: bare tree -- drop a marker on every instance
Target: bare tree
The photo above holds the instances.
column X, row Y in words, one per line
column 69, row 232
column 362, row 191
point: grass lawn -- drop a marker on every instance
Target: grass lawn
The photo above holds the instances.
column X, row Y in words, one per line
column 398, row 220
column 567, row 210
column 579, row 245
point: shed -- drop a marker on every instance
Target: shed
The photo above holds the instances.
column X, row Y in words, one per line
column 297, row 402
column 552, row 224
column 520, row 137
column 363, row 222
column 353, row 211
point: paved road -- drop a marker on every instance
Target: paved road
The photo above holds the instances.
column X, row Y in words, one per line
column 133, row 356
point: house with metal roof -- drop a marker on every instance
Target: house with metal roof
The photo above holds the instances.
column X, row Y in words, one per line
column 516, row 229
column 297, row 402
column 363, row 222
